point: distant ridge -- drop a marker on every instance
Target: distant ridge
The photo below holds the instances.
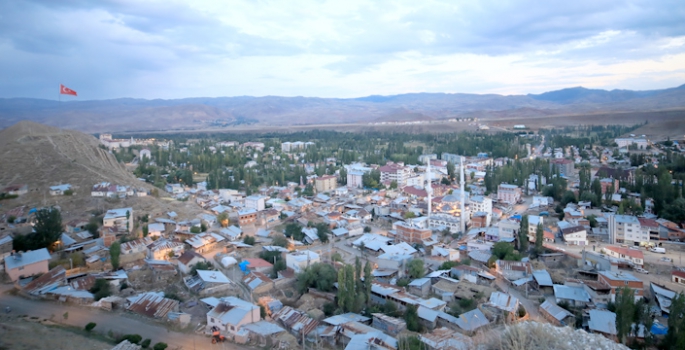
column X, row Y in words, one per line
column 130, row 114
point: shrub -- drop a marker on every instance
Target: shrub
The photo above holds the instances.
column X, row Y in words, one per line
column 133, row 338
column 329, row 309
column 249, row 240
column 146, row 343
column 90, row 326
column 101, row 289
column 160, row 346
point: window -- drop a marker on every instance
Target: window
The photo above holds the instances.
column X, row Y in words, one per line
column 212, row 319
column 626, row 282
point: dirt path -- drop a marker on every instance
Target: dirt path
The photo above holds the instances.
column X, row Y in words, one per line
column 106, row 321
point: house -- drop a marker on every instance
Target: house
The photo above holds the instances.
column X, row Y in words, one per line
column 247, row 217
column 255, row 202
column 621, row 279
column 188, row 259
column 152, row 304
column 155, row 229
column 371, row 340
column 59, row 190
column 575, row 235
column 664, row 296
column 388, row 324
column 469, row 322
column 311, row 235
column 16, row 190
column 574, row 296
column 259, row 264
column 164, row 249
column 543, row 281
column 206, row 241
column 603, row 322
column 264, row 332
column 513, row 270
column 509, row 194
column 136, row 246
column 635, row 257
column 678, row 276
column 300, row 260
column 556, row 315
column 258, row 282
column 420, row 287
column 121, row 219
column 21, row 265
column 296, row 322
column 506, row 304
column 233, row 233
column 231, row 314
column 445, row 339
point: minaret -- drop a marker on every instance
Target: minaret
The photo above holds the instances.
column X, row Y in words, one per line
column 462, row 185
column 429, row 189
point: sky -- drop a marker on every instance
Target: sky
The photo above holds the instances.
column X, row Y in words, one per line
column 169, row 49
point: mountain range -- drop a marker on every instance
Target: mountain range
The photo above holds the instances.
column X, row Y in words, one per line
column 128, row 114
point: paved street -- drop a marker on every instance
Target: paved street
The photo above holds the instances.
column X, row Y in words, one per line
column 106, row 321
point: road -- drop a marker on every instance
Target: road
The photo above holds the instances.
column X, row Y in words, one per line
column 528, row 304
column 106, row 321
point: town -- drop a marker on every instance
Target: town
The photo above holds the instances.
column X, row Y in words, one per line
column 385, row 241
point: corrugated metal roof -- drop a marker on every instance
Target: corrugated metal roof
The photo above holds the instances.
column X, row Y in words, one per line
column 153, row 305
column 472, row 320
column 19, row 260
column 555, row 311
column 48, row 281
column 571, row 293
column 263, row 328
column 543, row 278
column 296, row 320
column 602, row 321
column 504, row 301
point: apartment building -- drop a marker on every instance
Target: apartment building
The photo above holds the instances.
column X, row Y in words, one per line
column 624, row 229
column 326, row 183
column 120, row 220
column 395, row 172
column 411, row 234
column 481, row 204
column 509, row 194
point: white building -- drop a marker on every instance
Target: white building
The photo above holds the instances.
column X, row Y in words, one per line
column 231, row 313
column 145, row 153
column 481, row 204
column 298, row 261
column 354, row 179
column 575, row 235
column 641, row 143
column 121, row 219
column 509, row 194
column 624, row 229
column 59, row 190
column 255, row 202
column 395, row 172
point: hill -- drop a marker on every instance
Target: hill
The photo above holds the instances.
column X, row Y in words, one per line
column 130, row 115
column 41, row 156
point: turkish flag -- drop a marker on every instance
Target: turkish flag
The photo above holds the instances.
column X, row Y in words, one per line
column 66, row 91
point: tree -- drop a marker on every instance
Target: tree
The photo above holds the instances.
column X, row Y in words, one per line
column 160, row 346
column 322, row 231
column 539, row 237
column 675, row 211
column 409, row 215
column 368, row 280
column 294, row 231
column 279, row 265
column 675, row 337
column 280, row 240
column 202, row 265
column 195, row 229
column 222, row 219
column 367, row 229
column 101, row 289
column 146, row 343
column 416, row 269
column 625, row 311
column 320, row 276
column 411, row 317
column 145, row 231
column 523, row 234
column 48, row 228
column 114, row 252
column 249, row 240
column 410, row 343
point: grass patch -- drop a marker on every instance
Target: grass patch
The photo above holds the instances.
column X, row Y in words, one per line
column 82, row 332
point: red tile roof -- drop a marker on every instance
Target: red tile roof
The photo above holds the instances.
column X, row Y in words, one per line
column 648, row 222
column 635, row 254
column 678, row 273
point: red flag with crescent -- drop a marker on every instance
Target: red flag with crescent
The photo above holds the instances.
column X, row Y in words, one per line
column 66, row 91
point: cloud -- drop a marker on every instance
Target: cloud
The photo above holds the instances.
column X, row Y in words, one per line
column 172, row 49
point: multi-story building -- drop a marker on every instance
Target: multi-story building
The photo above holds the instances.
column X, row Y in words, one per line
column 247, row 217
column 509, row 194
column 640, row 143
column 119, row 219
column 650, row 230
column 411, row 234
column 508, row 229
column 565, row 166
column 481, row 204
column 623, row 229
column 255, row 202
column 326, row 183
column 395, row 172
column 445, row 220
column 609, row 185
column 617, row 280
column 354, row 179
column 575, row 235
column 298, row 261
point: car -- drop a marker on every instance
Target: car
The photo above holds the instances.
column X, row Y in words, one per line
column 641, row 270
column 635, row 248
column 665, row 259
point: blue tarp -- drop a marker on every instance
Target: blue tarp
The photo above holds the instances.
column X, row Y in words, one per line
column 516, row 217
column 659, row 329
column 32, row 211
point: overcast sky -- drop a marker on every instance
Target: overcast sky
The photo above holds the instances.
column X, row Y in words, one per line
column 172, row 49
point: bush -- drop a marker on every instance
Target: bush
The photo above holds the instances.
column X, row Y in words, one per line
column 249, row 240
column 195, row 229
column 146, row 343
column 160, row 346
column 133, row 338
column 328, row 309
column 101, row 289
column 522, row 311
column 90, row 326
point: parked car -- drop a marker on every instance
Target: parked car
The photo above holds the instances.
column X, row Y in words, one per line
column 641, row 270
column 665, row 259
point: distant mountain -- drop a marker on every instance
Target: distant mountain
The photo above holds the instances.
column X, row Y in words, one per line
column 128, row 114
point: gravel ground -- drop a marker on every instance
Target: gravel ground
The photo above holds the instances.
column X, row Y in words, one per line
column 544, row 336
